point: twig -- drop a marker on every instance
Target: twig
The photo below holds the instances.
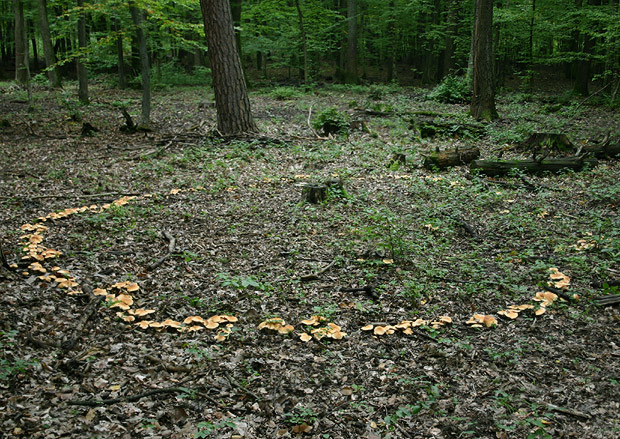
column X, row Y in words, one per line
column 245, row 390
column 315, row 276
column 38, row 197
column 100, row 402
column 5, row 263
column 168, row 367
column 564, row 410
column 171, row 247
column 87, row 314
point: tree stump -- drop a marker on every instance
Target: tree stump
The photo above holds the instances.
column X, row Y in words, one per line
column 314, row 193
column 546, row 143
column 502, row 167
column 450, row 157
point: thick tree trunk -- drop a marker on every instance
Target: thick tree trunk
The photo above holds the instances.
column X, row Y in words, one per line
column 351, row 61
column 21, row 46
column 304, row 43
column 81, row 67
column 234, row 115
column 122, row 75
column 138, row 21
column 483, row 100
column 48, row 50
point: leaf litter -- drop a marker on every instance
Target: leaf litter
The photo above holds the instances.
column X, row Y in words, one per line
column 171, row 350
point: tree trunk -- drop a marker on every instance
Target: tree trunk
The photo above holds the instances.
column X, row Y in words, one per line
column 122, row 75
column 235, row 10
column 138, row 21
column 304, row 43
column 35, row 51
column 21, row 46
column 234, row 115
column 391, row 49
column 81, row 67
column 48, row 51
column 503, row 167
column 351, row 62
column 483, row 100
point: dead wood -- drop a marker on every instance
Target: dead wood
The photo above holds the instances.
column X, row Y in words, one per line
column 130, row 126
column 502, row 167
column 450, row 157
column 612, row 299
column 315, row 276
column 171, row 248
column 87, row 314
column 547, row 142
column 139, row 396
column 368, row 290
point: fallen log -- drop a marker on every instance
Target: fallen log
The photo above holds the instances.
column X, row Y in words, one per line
column 603, row 151
column 450, row 157
column 502, row 167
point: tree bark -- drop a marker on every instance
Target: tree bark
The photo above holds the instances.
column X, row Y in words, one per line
column 497, row 168
column 81, row 67
column 351, row 61
column 138, row 21
column 483, row 100
column 48, row 50
column 122, row 75
column 304, row 43
column 234, row 115
column 21, row 46
column 235, row 10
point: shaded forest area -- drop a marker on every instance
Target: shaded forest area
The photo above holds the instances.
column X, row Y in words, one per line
column 387, row 232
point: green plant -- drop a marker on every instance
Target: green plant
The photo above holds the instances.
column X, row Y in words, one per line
column 300, row 415
column 285, row 93
column 242, row 282
column 331, row 121
column 206, row 429
column 451, row 90
column 9, row 366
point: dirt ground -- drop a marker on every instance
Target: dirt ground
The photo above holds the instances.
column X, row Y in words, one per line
column 393, row 264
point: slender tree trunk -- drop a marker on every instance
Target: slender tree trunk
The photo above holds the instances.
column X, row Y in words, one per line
column 235, row 10
column 351, row 61
column 122, row 75
column 304, row 42
column 531, row 42
column 35, row 51
column 21, row 46
column 234, row 115
column 391, row 49
column 483, row 100
column 138, row 21
column 48, row 50
column 81, row 67
column 451, row 32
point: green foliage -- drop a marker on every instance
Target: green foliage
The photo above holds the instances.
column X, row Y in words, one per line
column 451, row 90
column 242, row 282
column 331, row 121
column 285, row 93
column 208, row 429
column 11, row 366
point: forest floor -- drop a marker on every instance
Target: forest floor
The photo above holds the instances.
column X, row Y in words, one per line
column 247, row 250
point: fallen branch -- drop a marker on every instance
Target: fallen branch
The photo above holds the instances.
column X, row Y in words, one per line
column 370, row 291
column 100, row 402
column 564, row 410
column 315, row 276
column 503, row 167
column 87, row 314
column 612, row 299
column 39, row 197
column 171, row 248
column 559, row 292
column 166, row 366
